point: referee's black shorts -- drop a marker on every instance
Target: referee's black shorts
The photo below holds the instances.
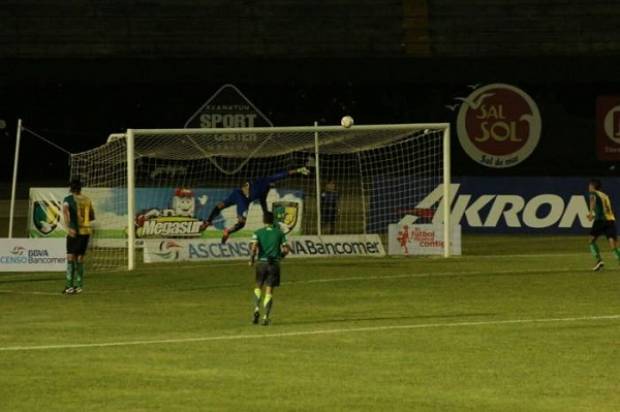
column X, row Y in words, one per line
column 268, row 274
column 77, row 245
column 604, row 227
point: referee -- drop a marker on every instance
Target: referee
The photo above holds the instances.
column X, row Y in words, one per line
column 270, row 245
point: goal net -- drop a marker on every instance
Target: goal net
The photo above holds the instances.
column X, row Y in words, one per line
column 166, row 183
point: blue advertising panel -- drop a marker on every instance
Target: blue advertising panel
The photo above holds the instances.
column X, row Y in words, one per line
column 497, row 204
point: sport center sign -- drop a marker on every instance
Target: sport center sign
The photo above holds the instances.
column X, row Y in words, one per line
column 498, row 125
column 513, row 205
column 229, row 108
column 197, row 250
column 32, row 255
column 608, row 128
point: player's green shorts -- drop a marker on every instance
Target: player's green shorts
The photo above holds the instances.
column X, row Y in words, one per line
column 77, row 245
column 604, row 227
column 268, row 274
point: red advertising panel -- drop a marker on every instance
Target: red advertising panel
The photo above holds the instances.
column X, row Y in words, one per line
column 608, row 127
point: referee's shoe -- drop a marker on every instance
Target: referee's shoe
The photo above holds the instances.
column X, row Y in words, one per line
column 599, row 265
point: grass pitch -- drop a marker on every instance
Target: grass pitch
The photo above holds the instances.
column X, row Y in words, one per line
column 517, row 324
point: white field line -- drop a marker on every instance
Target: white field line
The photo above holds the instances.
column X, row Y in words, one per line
column 348, row 259
column 21, row 292
column 342, row 279
column 430, row 275
column 312, row 333
column 345, row 259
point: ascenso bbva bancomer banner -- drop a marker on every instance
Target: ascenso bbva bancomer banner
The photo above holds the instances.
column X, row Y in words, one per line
column 171, row 250
column 41, row 255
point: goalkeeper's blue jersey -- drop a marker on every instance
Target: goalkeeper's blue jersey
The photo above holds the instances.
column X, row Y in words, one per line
column 260, row 187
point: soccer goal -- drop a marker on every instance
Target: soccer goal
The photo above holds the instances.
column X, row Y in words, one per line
column 164, row 183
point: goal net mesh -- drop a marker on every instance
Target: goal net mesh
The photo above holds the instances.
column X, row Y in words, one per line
column 365, row 180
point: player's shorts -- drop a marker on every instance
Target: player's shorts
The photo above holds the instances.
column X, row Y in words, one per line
column 77, row 245
column 268, row 274
column 604, row 227
column 236, row 197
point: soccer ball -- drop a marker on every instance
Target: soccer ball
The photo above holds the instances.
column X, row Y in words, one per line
column 346, row 121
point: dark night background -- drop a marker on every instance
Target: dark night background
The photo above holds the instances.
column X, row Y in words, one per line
column 78, row 71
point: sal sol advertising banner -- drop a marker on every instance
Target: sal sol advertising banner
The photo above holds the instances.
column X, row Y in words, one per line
column 160, row 212
column 406, row 240
column 174, row 250
column 509, row 205
column 498, row 125
column 32, row 255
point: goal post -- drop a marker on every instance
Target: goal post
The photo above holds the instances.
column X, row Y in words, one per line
column 164, row 183
column 131, row 200
column 447, row 201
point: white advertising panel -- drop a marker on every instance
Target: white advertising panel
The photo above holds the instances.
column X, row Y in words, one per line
column 407, row 240
column 32, row 255
column 173, row 250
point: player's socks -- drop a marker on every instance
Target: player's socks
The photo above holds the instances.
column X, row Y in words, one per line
column 79, row 274
column 225, row 235
column 236, row 227
column 228, row 232
column 257, row 296
column 69, row 274
column 596, row 253
column 214, row 213
column 268, row 303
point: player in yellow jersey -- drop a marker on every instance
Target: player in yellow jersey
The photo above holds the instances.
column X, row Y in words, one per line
column 604, row 222
column 78, row 213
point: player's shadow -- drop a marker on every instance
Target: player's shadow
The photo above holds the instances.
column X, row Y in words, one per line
column 384, row 318
column 7, row 281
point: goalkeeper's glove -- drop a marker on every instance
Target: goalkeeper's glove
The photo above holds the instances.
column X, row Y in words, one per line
column 303, row 171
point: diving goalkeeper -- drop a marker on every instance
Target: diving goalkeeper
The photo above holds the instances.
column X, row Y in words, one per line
column 249, row 192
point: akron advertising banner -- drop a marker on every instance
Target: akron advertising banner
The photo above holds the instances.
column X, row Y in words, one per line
column 30, row 255
column 555, row 205
column 160, row 212
column 173, row 250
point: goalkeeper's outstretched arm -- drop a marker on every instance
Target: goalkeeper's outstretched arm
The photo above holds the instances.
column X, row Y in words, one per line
column 286, row 173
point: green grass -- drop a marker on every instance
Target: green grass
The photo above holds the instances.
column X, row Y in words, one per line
column 449, row 349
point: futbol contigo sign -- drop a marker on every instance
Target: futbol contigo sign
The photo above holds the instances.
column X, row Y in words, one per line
column 405, row 240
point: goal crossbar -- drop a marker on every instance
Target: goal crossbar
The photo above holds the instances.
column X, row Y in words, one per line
column 295, row 129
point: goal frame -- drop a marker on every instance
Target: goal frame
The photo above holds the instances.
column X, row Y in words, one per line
column 131, row 134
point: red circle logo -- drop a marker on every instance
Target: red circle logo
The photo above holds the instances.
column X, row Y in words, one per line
column 498, row 125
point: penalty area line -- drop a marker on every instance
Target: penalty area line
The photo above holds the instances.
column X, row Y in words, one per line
column 17, row 292
column 312, row 333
